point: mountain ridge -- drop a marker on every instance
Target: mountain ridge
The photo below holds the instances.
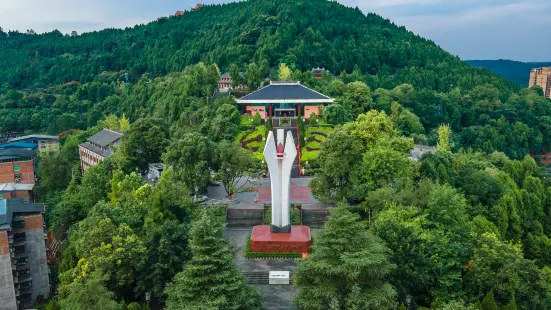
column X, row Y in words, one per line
column 516, row 71
column 305, row 34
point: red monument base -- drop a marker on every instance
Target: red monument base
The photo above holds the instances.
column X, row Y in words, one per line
column 297, row 241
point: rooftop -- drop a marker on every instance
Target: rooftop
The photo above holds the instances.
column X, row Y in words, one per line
column 6, row 154
column 18, row 145
column 226, row 75
column 8, row 207
column 10, row 187
column 285, row 92
column 33, row 137
column 89, row 146
column 419, row 150
column 105, row 137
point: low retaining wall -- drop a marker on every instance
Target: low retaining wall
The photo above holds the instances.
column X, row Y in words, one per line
column 238, row 218
column 314, row 218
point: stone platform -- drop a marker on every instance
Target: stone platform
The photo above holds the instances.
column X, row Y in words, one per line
column 297, row 241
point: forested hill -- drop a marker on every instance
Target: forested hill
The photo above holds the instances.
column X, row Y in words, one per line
column 515, row 71
column 301, row 33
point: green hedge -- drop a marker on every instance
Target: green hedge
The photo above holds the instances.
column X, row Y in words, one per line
column 251, row 255
column 296, row 214
column 311, row 156
column 251, row 133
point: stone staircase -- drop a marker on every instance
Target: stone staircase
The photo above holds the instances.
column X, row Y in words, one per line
column 260, row 277
column 257, row 277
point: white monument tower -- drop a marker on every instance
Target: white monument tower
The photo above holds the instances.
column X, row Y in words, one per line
column 280, row 157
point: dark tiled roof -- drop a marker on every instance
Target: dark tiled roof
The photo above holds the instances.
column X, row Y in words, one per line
column 18, row 145
column 34, row 137
column 89, row 146
column 17, row 205
column 16, row 153
column 105, row 137
column 284, row 91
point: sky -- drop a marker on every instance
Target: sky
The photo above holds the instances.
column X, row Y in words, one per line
column 471, row 29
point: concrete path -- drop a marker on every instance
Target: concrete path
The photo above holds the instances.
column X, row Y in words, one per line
column 276, row 297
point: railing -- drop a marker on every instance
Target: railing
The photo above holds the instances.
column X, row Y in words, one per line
column 18, row 223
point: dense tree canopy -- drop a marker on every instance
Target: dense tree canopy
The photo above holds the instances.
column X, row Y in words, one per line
column 209, row 280
column 347, row 268
column 460, row 226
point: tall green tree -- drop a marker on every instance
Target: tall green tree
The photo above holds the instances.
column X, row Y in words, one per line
column 89, row 294
column 235, row 75
column 371, row 127
column 210, row 280
column 191, row 157
column 144, row 143
column 235, row 166
column 284, row 73
column 253, row 76
column 301, row 132
column 225, row 124
column 499, row 267
column 347, row 268
column 444, row 138
column 339, row 160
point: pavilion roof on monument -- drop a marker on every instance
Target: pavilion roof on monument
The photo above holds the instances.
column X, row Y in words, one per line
column 285, row 92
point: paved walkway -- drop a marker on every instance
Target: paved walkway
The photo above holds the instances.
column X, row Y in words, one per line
column 276, row 297
column 259, row 192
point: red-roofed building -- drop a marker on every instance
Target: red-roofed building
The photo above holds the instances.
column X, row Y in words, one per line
column 178, row 13
column 197, row 7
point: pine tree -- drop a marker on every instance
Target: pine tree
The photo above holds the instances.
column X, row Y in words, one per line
column 347, row 268
column 489, row 303
column 268, row 126
column 210, row 280
column 301, row 132
column 124, row 123
column 235, row 75
column 512, row 305
column 444, row 132
column 284, row 73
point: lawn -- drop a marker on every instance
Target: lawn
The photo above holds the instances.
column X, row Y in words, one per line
column 253, row 140
column 314, row 138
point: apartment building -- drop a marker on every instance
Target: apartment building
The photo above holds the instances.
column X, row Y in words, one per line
column 98, row 147
column 542, row 78
column 24, row 275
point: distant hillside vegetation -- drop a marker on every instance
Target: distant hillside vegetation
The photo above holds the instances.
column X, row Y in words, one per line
column 516, row 71
column 302, row 34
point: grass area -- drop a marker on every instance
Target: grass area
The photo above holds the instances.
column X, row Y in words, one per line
column 296, row 217
column 246, row 140
column 246, row 122
column 220, row 210
column 251, row 255
column 317, row 133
